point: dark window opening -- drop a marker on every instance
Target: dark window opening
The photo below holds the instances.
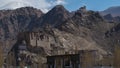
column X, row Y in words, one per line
column 67, row 63
column 41, row 37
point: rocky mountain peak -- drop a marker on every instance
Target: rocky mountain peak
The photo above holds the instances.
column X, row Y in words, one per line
column 21, row 11
column 111, row 19
column 59, row 8
column 108, row 17
column 14, row 21
column 28, row 11
column 55, row 16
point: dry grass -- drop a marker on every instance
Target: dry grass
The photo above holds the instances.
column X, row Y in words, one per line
column 117, row 57
column 1, row 55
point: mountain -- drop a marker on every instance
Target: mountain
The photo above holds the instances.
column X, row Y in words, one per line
column 87, row 25
column 113, row 35
column 111, row 14
column 111, row 19
column 114, row 11
column 55, row 16
column 14, row 21
column 56, row 30
column 18, row 19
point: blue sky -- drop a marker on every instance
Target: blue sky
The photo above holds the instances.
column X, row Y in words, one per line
column 97, row 5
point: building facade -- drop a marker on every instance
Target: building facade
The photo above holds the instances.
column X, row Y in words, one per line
column 84, row 59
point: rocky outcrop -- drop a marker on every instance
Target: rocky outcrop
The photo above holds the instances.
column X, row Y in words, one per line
column 14, row 21
column 54, row 17
column 111, row 19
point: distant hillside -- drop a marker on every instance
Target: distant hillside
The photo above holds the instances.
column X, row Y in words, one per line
column 111, row 14
column 114, row 11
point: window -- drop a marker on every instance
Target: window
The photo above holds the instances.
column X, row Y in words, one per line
column 67, row 63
